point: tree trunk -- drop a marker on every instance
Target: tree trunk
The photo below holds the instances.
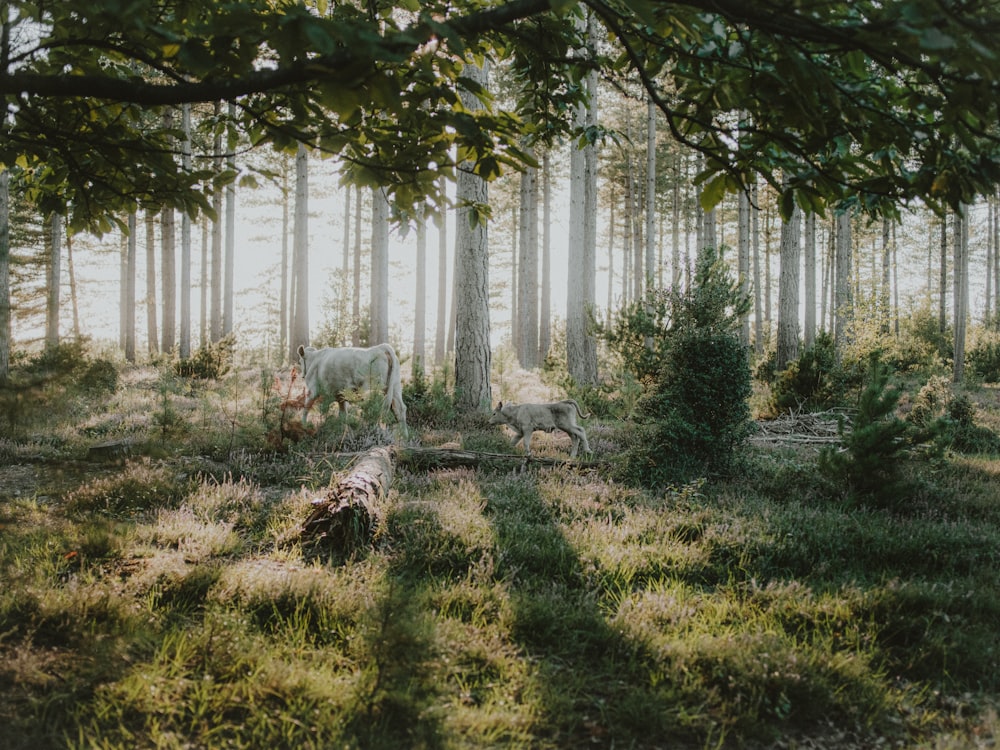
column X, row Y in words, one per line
column 787, row 349
column 357, row 335
column 185, row 327
column 300, row 254
column 379, row 302
column 885, row 286
column 943, row 279
column 545, row 304
column 228, row 291
column 809, row 251
column 152, row 337
column 472, row 289
column 54, row 278
column 844, row 302
column 5, row 325
column 961, row 280
column 284, row 295
column 575, row 309
column 73, row 298
column 206, row 280
column 215, row 322
column 650, row 264
column 743, row 259
column 527, row 285
column 758, row 300
column 420, row 307
column 440, row 348
column 129, row 279
column 168, row 265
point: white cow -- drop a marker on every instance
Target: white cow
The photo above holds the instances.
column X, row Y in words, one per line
column 338, row 371
column 526, row 418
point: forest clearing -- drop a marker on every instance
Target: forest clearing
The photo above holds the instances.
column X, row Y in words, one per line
column 167, row 597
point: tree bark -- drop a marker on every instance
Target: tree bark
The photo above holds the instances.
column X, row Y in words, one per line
column 185, row 314
column 961, row 281
column 215, row 321
column 5, row 326
column 527, row 267
column 420, row 307
column 843, row 299
column 472, row 290
column 788, row 291
column 152, row 336
column 228, row 291
column 128, row 277
column 545, row 303
column 809, row 290
column 55, row 275
column 300, row 254
column 168, row 266
column 379, row 302
column 440, row 348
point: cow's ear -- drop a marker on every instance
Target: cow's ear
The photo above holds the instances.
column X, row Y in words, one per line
column 302, row 350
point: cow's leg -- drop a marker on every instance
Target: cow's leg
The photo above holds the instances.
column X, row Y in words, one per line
column 574, row 443
column 582, row 439
column 341, row 406
column 527, row 442
column 518, row 435
column 310, row 400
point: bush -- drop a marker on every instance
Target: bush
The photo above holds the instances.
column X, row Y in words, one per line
column 960, row 432
column 869, row 467
column 428, row 405
column 698, row 410
column 984, row 358
column 814, row 382
column 210, row 362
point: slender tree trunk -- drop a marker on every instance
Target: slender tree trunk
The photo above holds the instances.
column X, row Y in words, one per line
column 843, row 309
column 809, row 250
column 650, row 267
column 357, row 335
column 54, row 281
column 758, row 302
column 215, row 322
column 675, row 239
column 284, row 295
column 943, row 279
column 344, row 303
column 5, row 324
column 420, row 308
column 788, row 291
column 961, row 280
column 73, row 299
column 206, row 281
column 168, row 266
column 885, row 286
column 228, row 291
column 612, row 203
column 379, row 302
column 185, row 327
column 130, row 274
column 988, row 303
column 122, row 288
column 514, row 329
column 472, row 290
column 545, row 304
column 440, row 347
column 743, row 259
column 300, row 253
column 527, row 297
column 152, row 337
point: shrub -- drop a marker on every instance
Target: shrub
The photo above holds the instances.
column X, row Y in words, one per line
column 874, row 446
column 210, row 362
column 960, row 432
column 984, row 358
column 697, row 411
column 814, row 382
column 428, row 405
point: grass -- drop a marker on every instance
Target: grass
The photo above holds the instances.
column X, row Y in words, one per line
column 165, row 602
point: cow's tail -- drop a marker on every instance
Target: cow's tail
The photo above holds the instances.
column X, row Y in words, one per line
column 394, row 385
column 579, row 411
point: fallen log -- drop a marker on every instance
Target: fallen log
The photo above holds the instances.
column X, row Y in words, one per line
column 346, row 517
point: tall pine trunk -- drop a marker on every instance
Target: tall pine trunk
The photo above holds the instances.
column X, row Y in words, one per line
column 788, row 291
column 300, row 254
column 152, row 336
column 527, row 267
column 379, row 302
column 185, row 327
column 54, row 232
column 5, row 324
column 472, row 291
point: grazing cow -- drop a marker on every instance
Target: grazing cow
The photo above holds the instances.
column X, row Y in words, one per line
column 338, row 371
column 526, row 418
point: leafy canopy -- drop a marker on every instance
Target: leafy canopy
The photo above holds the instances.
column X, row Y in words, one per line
column 869, row 102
